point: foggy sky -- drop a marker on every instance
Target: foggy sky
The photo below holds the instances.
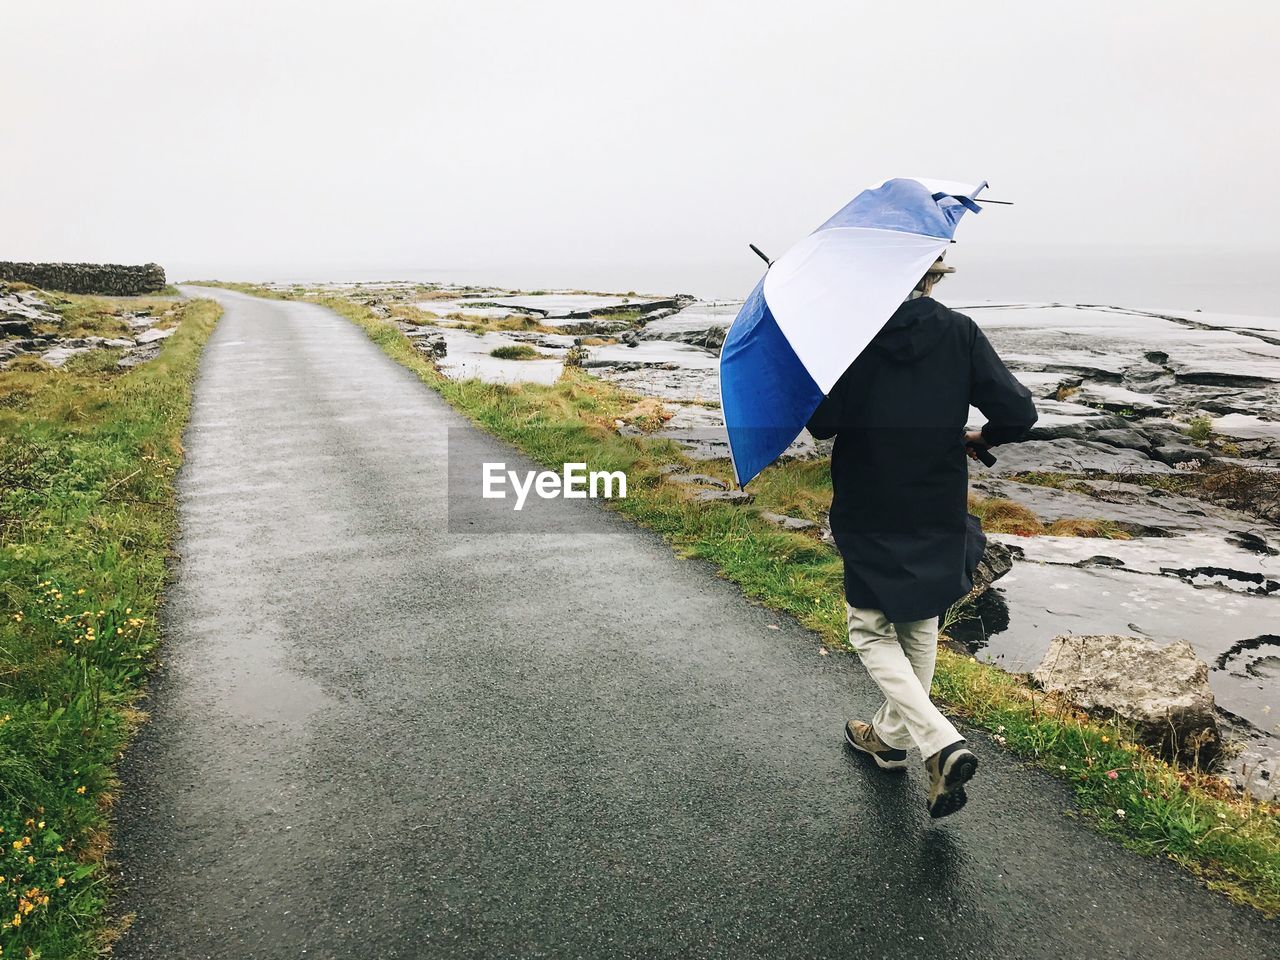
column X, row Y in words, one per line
column 253, row 139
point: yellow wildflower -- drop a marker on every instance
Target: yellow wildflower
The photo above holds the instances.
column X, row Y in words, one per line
column 80, row 789
column 61, row 881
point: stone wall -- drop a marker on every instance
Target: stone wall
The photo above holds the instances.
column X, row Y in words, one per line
column 116, row 279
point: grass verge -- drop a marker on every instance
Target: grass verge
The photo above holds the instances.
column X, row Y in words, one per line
column 87, row 459
column 1231, row 842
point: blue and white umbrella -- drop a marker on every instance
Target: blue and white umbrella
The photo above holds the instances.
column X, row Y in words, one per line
column 820, row 304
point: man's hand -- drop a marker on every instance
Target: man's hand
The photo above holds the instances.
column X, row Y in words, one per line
column 972, row 440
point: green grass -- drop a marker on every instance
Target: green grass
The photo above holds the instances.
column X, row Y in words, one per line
column 526, row 322
column 516, row 351
column 87, row 459
column 1231, row 842
column 408, row 313
column 1200, row 428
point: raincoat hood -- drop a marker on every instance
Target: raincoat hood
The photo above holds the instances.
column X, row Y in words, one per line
column 913, row 331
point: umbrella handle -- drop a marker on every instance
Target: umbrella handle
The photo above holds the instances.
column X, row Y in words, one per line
column 982, row 453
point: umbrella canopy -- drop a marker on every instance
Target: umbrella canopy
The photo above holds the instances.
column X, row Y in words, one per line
column 820, row 304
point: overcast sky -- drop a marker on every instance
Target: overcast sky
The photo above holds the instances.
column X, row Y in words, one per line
column 318, row 138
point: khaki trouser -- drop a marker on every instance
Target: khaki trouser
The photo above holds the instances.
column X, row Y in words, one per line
column 900, row 658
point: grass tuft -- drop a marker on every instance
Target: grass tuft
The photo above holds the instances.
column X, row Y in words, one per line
column 999, row 515
column 1200, row 428
column 517, row 351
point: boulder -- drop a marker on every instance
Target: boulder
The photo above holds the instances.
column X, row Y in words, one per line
column 58, row 356
column 997, row 560
column 138, row 356
column 1161, row 690
column 786, row 522
column 151, row 336
column 431, row 343
column 723, row 496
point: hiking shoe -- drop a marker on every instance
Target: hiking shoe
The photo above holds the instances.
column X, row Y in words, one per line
column 862, row 736
column 949, row 770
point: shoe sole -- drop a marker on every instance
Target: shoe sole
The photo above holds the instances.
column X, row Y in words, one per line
column 880, row 762
column 953, row 796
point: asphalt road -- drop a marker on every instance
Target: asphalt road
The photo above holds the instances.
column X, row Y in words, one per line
column 375, row 738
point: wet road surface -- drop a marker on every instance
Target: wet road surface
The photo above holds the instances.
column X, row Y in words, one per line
column 374, row 738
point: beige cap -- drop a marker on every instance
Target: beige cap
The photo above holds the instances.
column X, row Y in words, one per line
column 939, row 268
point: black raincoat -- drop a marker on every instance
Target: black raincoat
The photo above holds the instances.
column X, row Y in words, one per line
column 899, row 470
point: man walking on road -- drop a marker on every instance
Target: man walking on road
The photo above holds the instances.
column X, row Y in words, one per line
column 899, row 515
